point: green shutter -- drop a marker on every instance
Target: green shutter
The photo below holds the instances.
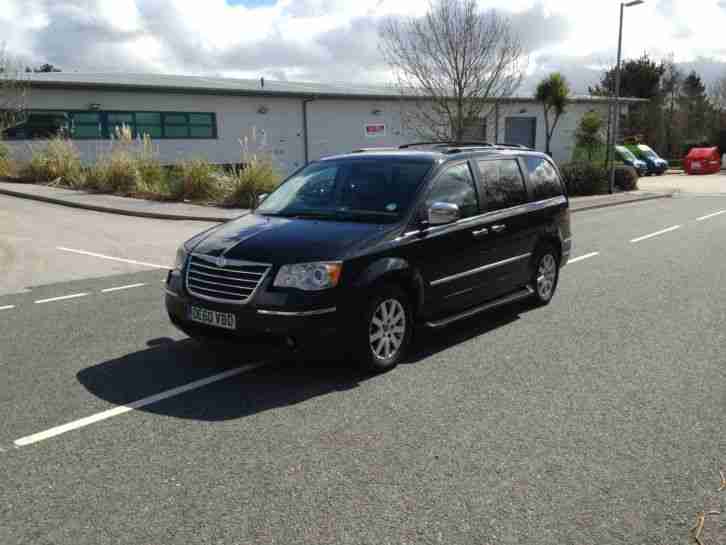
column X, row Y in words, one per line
column 202, row 132
column 176, row 131
column 148, row 118
column 154, row 131
column 200, row 119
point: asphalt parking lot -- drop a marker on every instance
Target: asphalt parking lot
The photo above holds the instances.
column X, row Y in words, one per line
column 598, row 419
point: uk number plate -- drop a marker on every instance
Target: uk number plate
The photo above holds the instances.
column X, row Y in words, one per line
column 205, row 316
column 696, row 164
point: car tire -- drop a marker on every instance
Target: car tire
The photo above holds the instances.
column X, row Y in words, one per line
column 545, row 274
column 383, row 332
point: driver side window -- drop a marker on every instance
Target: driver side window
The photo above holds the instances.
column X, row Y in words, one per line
column 455, row 186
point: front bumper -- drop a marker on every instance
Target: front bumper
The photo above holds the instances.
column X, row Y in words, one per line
column 253, row 322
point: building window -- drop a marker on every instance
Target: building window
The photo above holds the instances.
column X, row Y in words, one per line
column 86, row 125
column 96, row 125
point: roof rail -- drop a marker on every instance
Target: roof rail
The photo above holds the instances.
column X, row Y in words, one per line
column 514, row 146
column 448, row 144
column 461, row 149
column 367, row 150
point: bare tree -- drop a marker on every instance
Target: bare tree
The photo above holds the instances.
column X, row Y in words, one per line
column 671, row 90
column 452, row 64
column 13, row 91
column 717, row 94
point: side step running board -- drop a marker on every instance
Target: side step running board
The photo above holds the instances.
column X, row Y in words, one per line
column 511, row 298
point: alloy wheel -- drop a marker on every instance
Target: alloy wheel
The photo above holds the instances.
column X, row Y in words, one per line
column 387, row 329
column 546, row 276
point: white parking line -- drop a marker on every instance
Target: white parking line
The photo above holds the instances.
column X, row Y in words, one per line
column 116, row 411
column 651, row 235
column 711, row 215
column 119, row 288
column 111, row 258
column 62, row 298
column 7, row 307
column 580, row 258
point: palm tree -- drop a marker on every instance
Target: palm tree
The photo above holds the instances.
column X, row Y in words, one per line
column 554, row 93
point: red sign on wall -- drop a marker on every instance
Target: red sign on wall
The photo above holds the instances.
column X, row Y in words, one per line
column 374, row 130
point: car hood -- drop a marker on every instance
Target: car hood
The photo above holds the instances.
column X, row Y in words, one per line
column 274, row 240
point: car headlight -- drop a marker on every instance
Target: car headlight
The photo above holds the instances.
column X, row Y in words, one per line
column 309, row 276
column 181, row 258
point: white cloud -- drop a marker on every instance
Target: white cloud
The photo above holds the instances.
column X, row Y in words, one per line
column 335, row 39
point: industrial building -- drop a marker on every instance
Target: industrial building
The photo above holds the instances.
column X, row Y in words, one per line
column 293, row 122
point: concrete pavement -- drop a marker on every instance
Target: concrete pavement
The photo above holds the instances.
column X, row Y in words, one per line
column 707, row 184
column 597, row 419
column 120, row 205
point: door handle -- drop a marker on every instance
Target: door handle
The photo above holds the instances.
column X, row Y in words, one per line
column 498, row 228
column 480, row 232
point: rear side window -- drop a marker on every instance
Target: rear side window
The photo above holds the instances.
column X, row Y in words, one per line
column 545, row 182
column 455, row 186
column 503, row 183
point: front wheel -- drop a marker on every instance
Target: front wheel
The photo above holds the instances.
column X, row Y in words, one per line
column 545, row 273
column 384, row 333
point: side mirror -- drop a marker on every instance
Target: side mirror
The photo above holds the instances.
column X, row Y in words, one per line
column 261, row 198
column 442, row 213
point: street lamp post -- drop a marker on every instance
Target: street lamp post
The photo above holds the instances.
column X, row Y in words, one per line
column 614, row 131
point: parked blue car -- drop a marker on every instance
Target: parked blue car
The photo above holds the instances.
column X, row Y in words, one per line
column 629, row 158
column 656, row 165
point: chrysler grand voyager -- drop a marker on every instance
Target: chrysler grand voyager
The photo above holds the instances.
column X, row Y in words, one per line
column 361, row 248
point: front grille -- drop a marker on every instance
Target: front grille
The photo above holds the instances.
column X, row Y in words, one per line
column 229, row 282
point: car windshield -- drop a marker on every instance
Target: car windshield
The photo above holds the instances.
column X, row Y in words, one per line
column 625, row 153
column 649, row 153
column 370, row 190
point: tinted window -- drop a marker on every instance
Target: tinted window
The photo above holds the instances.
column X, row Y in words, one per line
column 455, row 186
column 503, row 184
column 545, row 182
column 361, row 190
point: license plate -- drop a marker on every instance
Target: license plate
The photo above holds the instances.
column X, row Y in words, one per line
column 201, row 315
column 696, row 164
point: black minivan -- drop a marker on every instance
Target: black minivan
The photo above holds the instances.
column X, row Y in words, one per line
column 361, row 248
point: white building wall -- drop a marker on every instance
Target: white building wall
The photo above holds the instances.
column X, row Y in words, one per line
column 563, row 140
column 338, row 126
column 280, row 129
column 334, row 126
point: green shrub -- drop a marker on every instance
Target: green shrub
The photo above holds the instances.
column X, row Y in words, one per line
column 251, row 181
column 626, row 178
column 6, row 166
column 196, row 180
column 116, row 173
column 584, row 178
column 58, row 162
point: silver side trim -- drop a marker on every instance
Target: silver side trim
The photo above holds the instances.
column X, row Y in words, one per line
column 503, row 214
column 521, row 294
column 172, row 293
column 480, row 269
column 318, row 312
column 462, row 292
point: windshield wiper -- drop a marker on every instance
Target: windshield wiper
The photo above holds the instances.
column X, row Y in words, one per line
column 307, row 215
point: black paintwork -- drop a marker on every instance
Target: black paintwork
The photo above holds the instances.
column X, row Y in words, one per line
column 408, row 252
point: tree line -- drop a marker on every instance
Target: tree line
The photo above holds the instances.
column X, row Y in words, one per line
column 680, row 113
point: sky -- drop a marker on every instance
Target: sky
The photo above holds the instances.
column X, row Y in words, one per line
column 336, row 40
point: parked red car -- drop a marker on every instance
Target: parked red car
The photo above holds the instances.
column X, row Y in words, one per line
column 702, row 161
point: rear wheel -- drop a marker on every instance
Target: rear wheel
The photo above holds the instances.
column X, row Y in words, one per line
column 384, row 333
column 545, row 274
